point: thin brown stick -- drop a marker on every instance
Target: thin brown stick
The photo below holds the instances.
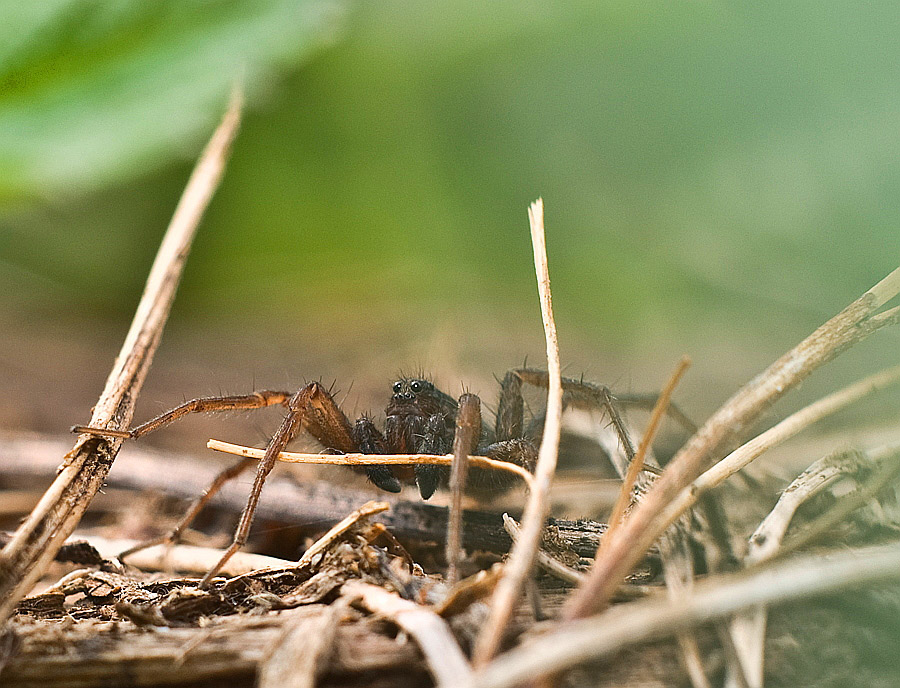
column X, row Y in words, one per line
column 372, row 459
column 847, row 328
column 465, row 439
column 628, row 624
column 521, row 558
column 27, row 555
column 637, row 463
column 447, row 663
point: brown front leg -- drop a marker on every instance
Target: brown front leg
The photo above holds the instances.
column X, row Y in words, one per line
column 255, row 400
column 311, row 408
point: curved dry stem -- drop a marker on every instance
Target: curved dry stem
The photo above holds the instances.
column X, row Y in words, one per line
column 521, row 558
column 372, row 459
column 35, row 543
column 645, row 524
column 748, row 630
column 628, row 624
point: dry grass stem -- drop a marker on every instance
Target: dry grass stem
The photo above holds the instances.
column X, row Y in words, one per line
column 624, row 625
column 35, row 543
column 747, row 631
column 521, row 558
column 637, row 463
column 847, row 328
column 372, row 459
column 447, row 663
column 772, row 437
column 887, row 468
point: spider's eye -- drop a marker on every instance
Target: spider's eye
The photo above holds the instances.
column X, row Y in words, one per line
column 397, row 387
column 416, row 386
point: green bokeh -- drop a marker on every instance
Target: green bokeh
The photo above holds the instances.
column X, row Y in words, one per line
column 716, row 162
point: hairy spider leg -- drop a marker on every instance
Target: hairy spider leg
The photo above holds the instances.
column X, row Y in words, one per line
column 255, row 400
column 370, row 441
column 174, row 535
column 312, row 408
column 507, row 441
column 584, row 395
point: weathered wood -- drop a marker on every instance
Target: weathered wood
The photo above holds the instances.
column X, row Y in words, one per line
column 86, row 654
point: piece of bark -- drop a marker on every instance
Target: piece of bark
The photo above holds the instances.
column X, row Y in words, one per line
column 227, row 650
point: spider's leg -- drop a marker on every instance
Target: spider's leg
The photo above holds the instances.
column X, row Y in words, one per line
column 433, row 439
column 465, row 440
column 174, row 535
column 510, row 408
column 370, row 441
column 312, row 408
column 648, row 401
column 584, row 395
column 485, row 482
column 255, row 400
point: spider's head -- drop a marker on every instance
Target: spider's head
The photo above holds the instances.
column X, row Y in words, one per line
column 415, row 396
column 410, row 391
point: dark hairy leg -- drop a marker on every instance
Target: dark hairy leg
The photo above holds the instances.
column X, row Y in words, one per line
column 174, row 535
column 584, row 395
column 311, row 407
column 433, row 439
column 369, row 440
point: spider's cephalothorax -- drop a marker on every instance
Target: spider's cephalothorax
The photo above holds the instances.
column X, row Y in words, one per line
column 421, row 419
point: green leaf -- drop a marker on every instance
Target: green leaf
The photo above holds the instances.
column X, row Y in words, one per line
column 93, row 92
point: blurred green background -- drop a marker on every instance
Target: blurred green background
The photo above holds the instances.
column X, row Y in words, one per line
column 719, row 178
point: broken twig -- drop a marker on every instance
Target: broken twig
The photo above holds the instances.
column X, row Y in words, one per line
column 27, row 555
column 372, row 459
column 521, row 558
column 445, row 659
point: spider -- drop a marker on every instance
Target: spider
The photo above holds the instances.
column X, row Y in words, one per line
column 419, row 419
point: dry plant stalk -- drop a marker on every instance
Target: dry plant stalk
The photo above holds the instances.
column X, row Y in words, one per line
column 748, row 630
column 447, row 663
column 644, row 525
column 521, row 558
column 637, row 463
column 775, row 435
column 35, row 543
column 372, row 459
column 627, row 624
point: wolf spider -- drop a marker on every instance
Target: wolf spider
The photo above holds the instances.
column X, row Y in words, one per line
column 420, row 419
